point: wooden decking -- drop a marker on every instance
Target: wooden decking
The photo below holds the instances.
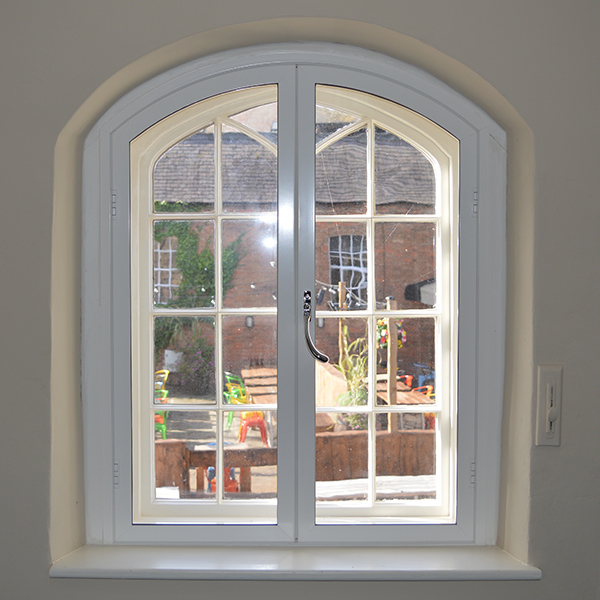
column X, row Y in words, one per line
column 339, row 456
column 344, row 455
column 261, row 383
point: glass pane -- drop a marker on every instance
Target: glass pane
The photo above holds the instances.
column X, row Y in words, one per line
column 250, row 262
column 341, row 466
column 262, row 119
column 405, row 264
column 330, row 121
column 184, row 176
column 261, row 383
column 196, row 433
column 341, row 176
column 341, row 258
column 249, row 174
column 250, row 454
column 404, row 177
column 415, row 359
column 250, row 356
column 184, row 360
column 405, row 461
column 343, row 381
column 184, row 264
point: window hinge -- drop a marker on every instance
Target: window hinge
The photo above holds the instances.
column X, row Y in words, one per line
column 116, row 474
column 475, row 203
column 473, row 474
column 113, row 204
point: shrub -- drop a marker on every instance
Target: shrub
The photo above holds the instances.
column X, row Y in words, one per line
column 196, row 369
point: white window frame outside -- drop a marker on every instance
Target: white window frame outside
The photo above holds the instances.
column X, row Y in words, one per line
column 169, row 287
column 106, row 362
column 358, row 258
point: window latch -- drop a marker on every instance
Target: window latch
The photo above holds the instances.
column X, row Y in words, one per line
column 307, row 315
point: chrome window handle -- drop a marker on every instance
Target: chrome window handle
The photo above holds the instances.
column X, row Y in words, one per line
column 307, row 315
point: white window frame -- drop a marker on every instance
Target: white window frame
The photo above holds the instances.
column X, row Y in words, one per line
column 106, row 360
column 144, row 152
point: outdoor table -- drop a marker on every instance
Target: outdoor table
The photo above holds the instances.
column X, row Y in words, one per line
column 261, row 384
column 236, row 455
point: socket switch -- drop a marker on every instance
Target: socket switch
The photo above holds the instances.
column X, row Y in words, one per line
column 549, row 405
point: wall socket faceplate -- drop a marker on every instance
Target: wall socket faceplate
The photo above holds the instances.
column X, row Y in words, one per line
column 549, row 405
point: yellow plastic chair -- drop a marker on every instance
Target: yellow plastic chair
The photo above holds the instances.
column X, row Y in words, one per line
column 235, row 394
column 160, row 379
column 160, row 393
column 160, row 397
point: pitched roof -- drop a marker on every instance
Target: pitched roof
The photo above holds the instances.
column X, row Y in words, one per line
column 185, row 173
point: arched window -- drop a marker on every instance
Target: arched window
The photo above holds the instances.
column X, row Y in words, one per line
column 264, row 209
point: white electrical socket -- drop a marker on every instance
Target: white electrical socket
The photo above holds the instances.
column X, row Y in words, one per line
column 549, row 405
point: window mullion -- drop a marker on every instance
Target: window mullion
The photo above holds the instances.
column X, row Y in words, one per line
column 219, row 316
column 305, row 198
column 371, row 305
column 287, row 302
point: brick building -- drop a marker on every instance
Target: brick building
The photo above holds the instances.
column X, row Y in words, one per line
column 403, row 182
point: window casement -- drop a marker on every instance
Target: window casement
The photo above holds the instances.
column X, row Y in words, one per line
column 270, row 174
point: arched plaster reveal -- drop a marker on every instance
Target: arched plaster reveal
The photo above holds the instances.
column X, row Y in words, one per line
column 67, row 500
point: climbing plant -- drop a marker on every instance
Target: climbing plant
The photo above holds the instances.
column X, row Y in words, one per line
column 197, row 287
column 197, row 268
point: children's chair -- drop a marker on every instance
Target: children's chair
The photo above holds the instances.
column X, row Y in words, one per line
column 160, row 424
column 427, row 390
column 407, row 379
column 253, row 419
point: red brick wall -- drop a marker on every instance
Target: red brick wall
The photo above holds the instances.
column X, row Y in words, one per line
column 404, row 254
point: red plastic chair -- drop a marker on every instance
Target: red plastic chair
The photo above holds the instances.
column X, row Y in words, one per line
column 408, row 379
column 253, row 419
column 159, row 423
column 427, row 390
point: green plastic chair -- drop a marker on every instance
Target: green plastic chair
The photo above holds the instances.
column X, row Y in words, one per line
column 160, row 397
column 231, row 378
column 160, row 423
column 234, row 394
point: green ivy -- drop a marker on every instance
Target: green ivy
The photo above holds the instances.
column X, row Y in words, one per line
column 179, row 206
column 197, row 287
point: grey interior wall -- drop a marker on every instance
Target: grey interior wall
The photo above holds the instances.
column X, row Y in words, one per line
column 539, row 60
